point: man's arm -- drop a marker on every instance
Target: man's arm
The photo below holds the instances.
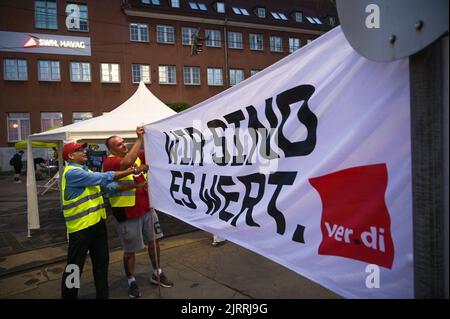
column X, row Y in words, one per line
column 130, row 170
column 115, row 187
column 130, row 158
column 82, row 178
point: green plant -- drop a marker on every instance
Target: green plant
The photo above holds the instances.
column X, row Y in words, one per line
column 178, row 106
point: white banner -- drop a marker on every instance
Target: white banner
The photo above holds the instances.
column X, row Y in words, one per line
column 307, row 163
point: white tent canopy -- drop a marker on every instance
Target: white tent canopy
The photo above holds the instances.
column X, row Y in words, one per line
column 141, row 108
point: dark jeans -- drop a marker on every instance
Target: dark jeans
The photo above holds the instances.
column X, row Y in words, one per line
column 17, row 169
column 93, row 239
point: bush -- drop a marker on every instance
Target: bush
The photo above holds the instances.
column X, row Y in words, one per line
column 179, row 106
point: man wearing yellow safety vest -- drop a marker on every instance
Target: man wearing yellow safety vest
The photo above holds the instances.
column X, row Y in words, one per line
column 84, row 214
column 132, row 211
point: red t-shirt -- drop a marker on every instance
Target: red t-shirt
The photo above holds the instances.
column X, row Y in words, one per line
column 112, row 163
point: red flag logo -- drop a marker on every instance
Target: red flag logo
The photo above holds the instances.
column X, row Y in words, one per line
column 355, row 220
column 31, row 43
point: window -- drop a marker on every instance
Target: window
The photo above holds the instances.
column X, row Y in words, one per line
column 155, row 2
column 138, row 32
column 215, row 76
column 15, row 69
column 313, row 20
column 279, row 16
column 260, row 12
column 51, row 120
column 175, row 3
column 294, row 44
column 48, row 71
column 308, row 41
column 254, row 71
column 167, row 74
column 165, row 34
column 235, row 40
column 213, row 38
column 332, row 21
column 220, row 7
column 186, row 35
column 81, row 116
column 298, row 16
column 140, row 72
column 80, row 71
column 18, row 126
column 84, row 21
column 45, row 14
column 191, row 75
column 240, row 11
column 276, row 44
column 236, row 76
column 109, row 72
column 256, row 41
column 198, row 6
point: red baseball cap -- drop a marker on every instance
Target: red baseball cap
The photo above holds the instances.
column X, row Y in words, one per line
column 71, row 147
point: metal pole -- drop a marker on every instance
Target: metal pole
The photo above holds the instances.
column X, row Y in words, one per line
column 225, row 35
column 446, row 162
column 427, row 126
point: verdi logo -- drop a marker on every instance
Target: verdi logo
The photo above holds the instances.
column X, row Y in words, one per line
column 355, row 220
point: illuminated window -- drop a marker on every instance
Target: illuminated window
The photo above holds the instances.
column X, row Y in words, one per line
column 215, row 76
column 18, row 126
column 167, row 74
column 109, row 72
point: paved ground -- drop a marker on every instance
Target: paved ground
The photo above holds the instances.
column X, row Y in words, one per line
column 199, row 271
column 31, row 268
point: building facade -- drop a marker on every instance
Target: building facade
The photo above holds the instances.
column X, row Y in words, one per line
column 65, row 61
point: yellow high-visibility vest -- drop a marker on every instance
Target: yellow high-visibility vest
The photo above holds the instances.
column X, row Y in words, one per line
column 85, row 210
column 125, row 198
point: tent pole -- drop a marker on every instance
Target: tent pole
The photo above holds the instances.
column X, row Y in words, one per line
column 32, row 200
column 60, row 170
